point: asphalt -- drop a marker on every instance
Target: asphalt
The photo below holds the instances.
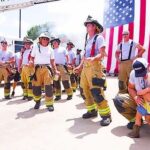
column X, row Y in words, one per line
column 23, row 128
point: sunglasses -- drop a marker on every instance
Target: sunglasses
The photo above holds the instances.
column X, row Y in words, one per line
column 125, row 34
column 4, row 43
column 45, row 39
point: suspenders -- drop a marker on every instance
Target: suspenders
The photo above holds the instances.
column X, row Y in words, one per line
column 92, row 54
column 93, row 47
column 131, row 45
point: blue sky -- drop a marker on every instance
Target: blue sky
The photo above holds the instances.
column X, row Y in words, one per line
column 67, row 15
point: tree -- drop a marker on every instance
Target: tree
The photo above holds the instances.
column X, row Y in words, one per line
column 36, row 30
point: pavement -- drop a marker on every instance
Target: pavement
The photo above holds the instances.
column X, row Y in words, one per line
column 23, row 128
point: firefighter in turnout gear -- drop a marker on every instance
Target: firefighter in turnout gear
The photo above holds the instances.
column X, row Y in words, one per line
column 125, row 55
column 42, row 57
column 92, row 76
column 72, row 60
column 61, row 60
column 27, row 70
column 6, row 60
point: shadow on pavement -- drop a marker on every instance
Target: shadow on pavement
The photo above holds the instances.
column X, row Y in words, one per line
column 83, row 127
column 142, row 143
column 30, row 113
column 17, row 101
column 80, row 106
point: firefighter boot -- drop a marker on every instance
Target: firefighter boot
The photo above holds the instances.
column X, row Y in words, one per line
column 105, row 121
column 90, row 114
column 50, row 108
column 37, row 105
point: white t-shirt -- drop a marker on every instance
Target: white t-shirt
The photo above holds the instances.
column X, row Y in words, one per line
column 126, row 49
column 60, row 55
column 17, row 59
column 42, row 57
column 25, row 58
column 100, row 42
column 6, row 55
column 71, row 55
column 139, row 82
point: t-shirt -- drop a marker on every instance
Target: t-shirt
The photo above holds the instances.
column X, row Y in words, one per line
column 78, row 59
column 6, row 55
column 126, row 49
column 60, row 55
column 25, row 58
column 139, row 82
column 43, row 56
column 71, row 55
column 100, row 42
column 17, row 58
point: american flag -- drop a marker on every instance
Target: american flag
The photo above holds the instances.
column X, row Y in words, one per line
column 129, row 15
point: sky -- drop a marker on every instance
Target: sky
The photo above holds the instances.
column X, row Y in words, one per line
column 67, row 15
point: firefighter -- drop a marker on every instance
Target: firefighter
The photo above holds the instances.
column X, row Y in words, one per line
column 72, row 60
column 62, row 61
column 92, row 76
column 27, row 70
column 125, row 54
column 17, row 74
column 6, row 59
column 42, row 57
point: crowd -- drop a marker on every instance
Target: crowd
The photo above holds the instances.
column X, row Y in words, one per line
column 46, row 65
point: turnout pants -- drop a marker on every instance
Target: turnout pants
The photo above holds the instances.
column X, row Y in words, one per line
column 26, row 82
column 4, row 75
column 125, row 68
column 92, row 84
column 125, row 106
column 43, row 77
column 64, row 76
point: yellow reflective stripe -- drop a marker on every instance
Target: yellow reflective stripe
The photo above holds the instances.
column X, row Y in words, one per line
column 7, row 94
column 37, row 98
column 104, row 111
column 132, row 120
column 49, row 102
column 89, row 108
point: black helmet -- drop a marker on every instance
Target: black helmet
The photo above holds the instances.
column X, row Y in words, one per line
column 70, row 43
column 93, row 21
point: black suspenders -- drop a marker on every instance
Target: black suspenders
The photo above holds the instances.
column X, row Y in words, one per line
column 131, row 45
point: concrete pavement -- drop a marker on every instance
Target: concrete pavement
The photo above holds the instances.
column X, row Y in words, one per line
column 23, row 128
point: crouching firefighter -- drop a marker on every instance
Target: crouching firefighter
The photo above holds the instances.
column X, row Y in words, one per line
column 61, row 60
column 6, row 60
column 43, row 59
column 92, row 80
column 27, row 70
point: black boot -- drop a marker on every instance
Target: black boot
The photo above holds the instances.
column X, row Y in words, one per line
column 37, row 105
column 30, row 98
column 13, row 93
column 25, row 97
column 50, row 108
column 105, row 121
column 57, row 98
column 69, row 97
column 7, row 97
column 90, row 114
column 130, row 125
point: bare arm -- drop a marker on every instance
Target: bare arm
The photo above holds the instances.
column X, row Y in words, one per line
column 52, row 61
column 141, row 50
column 133, row 94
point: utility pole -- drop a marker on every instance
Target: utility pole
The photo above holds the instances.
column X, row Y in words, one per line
column 19, row 23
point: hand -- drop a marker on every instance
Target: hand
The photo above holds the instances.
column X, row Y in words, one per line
column 57, row 72
column 77, row 70
column 143, row 92
column 138, row 100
